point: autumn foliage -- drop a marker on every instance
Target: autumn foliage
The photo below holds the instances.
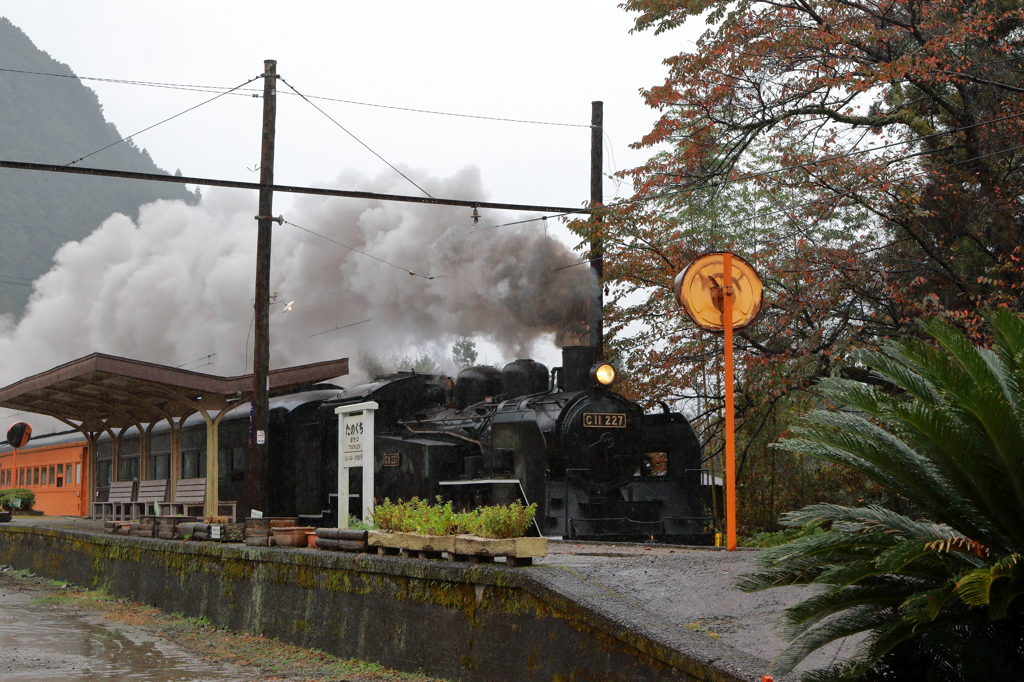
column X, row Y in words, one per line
column 864, row 156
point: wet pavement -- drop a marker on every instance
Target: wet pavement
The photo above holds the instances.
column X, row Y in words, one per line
column 41, row 642
column 693, row 588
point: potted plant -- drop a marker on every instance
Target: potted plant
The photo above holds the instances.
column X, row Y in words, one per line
column 417, row 528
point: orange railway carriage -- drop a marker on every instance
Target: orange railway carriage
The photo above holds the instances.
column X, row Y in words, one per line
column 53, row 467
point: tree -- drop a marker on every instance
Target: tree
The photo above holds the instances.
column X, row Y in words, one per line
column 464, row 353
column 375, row 365
column 865, row 156
column 937, row 598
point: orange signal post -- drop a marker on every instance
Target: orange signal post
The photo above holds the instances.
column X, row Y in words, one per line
column 730, row 427
column 724, row 305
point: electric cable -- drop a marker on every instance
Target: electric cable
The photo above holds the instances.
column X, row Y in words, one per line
column 350, row 134
column 256, row 93
column 344, row 326
column 788, row 209
column 205, row 357
column 162, row 122
column 14, row 280
column 362, row 253
column 807, row 164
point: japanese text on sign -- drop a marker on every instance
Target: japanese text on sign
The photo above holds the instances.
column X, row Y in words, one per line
column 353, row 439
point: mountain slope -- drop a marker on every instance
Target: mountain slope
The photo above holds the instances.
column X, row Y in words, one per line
column 56, row 120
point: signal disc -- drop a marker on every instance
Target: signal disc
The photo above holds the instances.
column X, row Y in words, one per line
column 698, row 290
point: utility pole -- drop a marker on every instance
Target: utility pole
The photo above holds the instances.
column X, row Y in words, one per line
column 261, row 349
column 597, row 241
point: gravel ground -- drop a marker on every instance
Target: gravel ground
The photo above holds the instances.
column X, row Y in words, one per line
column 692, row 588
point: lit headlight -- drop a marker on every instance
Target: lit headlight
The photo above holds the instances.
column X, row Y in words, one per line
column 602, row 373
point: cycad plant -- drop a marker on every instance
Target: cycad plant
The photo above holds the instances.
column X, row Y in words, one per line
column 933, row 599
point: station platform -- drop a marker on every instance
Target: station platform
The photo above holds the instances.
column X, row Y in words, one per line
column 676, row 604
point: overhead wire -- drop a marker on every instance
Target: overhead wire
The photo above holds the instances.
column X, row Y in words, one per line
column 14, row 280
column 622, row 202
column 205, row 357
column 789, row 209
column 350, row 134
column 362, row 253
column 256, row 93
column 344, row 326
column 761, row 174
column 127, row 137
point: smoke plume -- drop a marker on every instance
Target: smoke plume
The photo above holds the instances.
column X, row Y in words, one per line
column 178, row 285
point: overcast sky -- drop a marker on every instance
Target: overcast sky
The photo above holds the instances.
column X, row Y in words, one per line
column 540, row 60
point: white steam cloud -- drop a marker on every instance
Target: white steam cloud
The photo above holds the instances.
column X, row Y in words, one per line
column 178, row 285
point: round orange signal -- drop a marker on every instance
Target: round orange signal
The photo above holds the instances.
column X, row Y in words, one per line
column 699, row 291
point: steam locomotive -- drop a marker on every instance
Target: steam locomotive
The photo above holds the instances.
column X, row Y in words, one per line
column 595, row 464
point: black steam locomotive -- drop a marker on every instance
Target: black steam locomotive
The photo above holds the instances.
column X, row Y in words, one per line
column 595, row 464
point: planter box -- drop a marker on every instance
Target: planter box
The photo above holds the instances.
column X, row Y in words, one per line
column 411, row 542
column 473, row 545
column 519, row 551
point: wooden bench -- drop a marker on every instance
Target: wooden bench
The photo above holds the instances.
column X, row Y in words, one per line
column 190, row 496
column 150, row 492
column 119, row 498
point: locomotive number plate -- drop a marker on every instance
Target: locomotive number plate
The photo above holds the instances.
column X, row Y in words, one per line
column 604, row 420
column 392, row 459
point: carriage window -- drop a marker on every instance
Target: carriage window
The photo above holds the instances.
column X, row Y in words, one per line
column 53, row 478
column 35, row 476
column 104, row 456
column 131, row 447
column 193, row 452
column 78, row 474
column 160, row 457
column 42, row 477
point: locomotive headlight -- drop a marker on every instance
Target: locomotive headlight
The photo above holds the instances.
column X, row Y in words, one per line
column 602, row 373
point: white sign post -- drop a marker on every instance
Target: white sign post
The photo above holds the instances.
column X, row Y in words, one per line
column 355, row 449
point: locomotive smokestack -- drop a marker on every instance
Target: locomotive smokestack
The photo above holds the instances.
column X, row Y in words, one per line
column 576, row 364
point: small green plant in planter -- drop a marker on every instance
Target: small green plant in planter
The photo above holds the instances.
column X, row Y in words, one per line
column 512, row 521
column 419, row 516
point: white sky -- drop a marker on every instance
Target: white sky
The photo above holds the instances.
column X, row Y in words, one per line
column 541, row 60
column 534, row 59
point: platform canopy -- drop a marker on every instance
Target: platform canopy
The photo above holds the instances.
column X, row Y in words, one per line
column 100, row 392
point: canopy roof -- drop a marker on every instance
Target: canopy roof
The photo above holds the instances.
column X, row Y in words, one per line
column 100, row 392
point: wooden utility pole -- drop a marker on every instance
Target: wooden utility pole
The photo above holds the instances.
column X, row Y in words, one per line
column 597, row 240
column 261, row 349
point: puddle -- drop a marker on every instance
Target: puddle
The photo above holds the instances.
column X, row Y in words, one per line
column 43, row 642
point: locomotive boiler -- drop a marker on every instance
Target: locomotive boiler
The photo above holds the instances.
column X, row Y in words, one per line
column 596, row 466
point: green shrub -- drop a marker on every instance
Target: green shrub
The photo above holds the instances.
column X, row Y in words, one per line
column 499, row 521
column 937, row 599
column 783, row 536
column 419, row 516
column 27, row 497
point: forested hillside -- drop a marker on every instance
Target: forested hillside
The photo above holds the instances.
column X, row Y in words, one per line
column 56, row 120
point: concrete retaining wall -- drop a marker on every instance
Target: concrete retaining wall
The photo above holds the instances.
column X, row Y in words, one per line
column 460, row 621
